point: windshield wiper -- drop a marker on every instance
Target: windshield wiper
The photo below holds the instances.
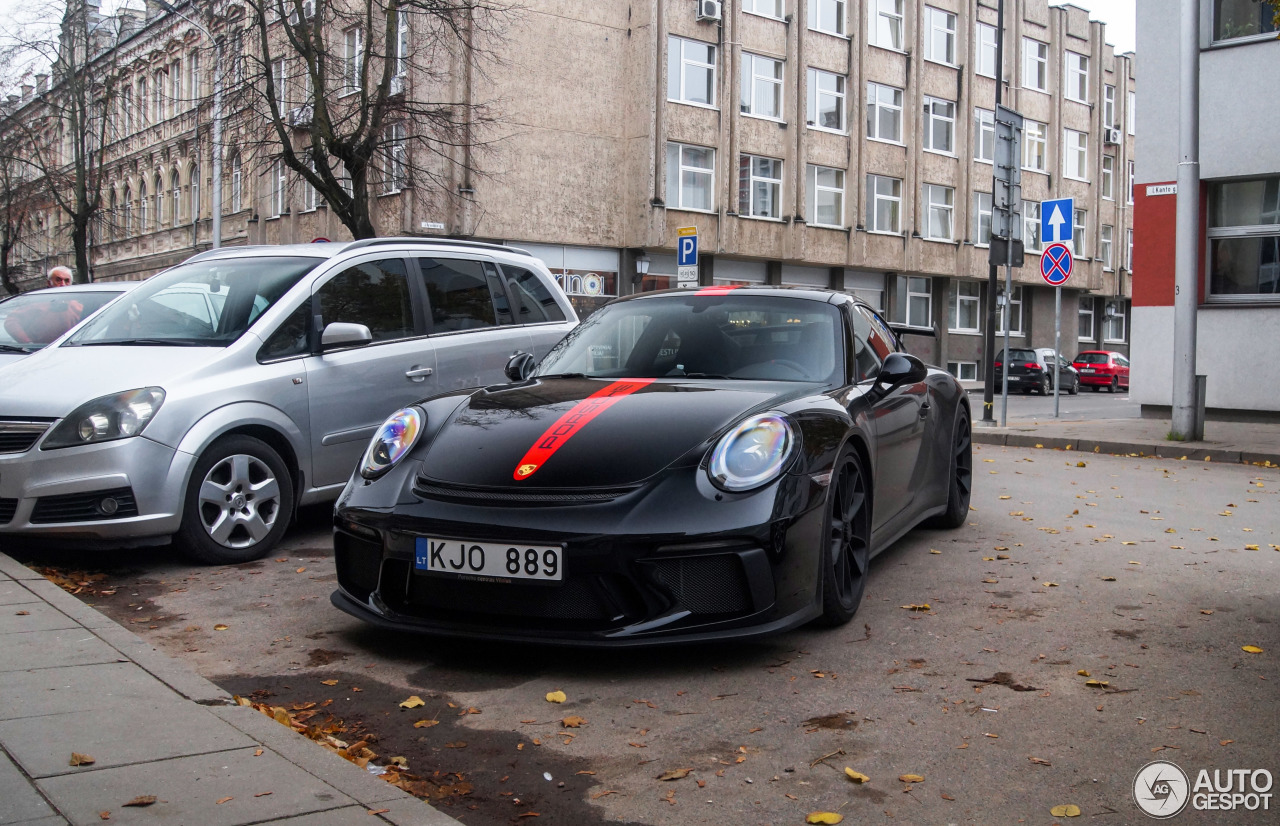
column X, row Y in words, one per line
column 13, row 348
column 703, row 376
column 147, row 342
column 562, row 376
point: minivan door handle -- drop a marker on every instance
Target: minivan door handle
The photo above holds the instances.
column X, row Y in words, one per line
column 417, row 373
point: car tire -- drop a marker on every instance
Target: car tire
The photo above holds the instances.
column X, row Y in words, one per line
column 1074, row 388
column 959, row 476
column 1115, row 385
column 1045, row 386
column 846, row 539
column 238, row 504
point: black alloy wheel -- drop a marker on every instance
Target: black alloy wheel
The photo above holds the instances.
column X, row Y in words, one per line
column 1115, row 384
column 1075, row 386
column 1045, row 385
column 846, row 556
column 960, row 485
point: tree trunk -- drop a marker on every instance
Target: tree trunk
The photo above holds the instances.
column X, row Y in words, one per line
column 80, row 240
column 5, row 277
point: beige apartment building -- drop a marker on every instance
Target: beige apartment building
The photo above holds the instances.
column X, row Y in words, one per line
column 810, row 142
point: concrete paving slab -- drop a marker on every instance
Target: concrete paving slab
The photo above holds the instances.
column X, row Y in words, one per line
column 19, row 800
column 173, row 673
column 16, row 570
column 55, row 649
column 68, row 604
column 349, row 816
column 42, row 746
column 414, row 812
column 40, row 616
column 188, row 790
column 78, row 688
column 55, row 820
column 12, row 593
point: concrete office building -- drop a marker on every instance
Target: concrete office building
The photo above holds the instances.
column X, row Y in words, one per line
column 1239, row 232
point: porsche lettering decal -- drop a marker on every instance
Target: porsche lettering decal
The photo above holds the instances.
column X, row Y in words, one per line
column 571, row 422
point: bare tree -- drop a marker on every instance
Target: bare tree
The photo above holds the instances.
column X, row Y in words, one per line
column 365, row 96
column 15, row 209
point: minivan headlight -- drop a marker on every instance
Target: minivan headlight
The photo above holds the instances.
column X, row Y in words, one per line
column 118, row 416
column 392, row 442
column 752, row 454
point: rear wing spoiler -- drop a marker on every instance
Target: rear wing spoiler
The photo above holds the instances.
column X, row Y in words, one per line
column 901, row 330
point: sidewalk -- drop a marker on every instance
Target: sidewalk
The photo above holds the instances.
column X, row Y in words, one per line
column 72, row 680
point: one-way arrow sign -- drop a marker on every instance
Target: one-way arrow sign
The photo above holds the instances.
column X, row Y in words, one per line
column 1055, row 220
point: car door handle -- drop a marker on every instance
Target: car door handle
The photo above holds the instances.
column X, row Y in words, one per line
column 416, row 373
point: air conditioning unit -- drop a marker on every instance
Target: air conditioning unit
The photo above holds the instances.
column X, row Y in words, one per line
column 1111, row 136
column 299, row 116
column 397, row 84
column 710, row 10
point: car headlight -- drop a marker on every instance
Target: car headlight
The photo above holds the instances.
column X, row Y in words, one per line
column 393, row 440
column 753, row 453
column 118, row 416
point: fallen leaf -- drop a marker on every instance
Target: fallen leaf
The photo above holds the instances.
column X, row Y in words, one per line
column 674, row 774
column 1049, row 584
column 1128, row 543
column 78, row 759
column 413, row 702
column 855, row 776
column 556, row 697
column 914, row 607
column 825, row 817
column 1069, row 810
column 220, row 801
column 1097, row 683
column 1206, row 612
column 1083, row 673
column 573, row 722
column 104, row 815
column 1039, row 762
column 936, row 551
column 263, row 794
column 1251, row 547
column 22, row 613
column 219, row 627
column 142, row 800
column 426, row 723
column 585, row 771
column 946, row 796
column 1251, row 649
column 1108, row 579
column 328, row 682
column 378, row 811
column 257, row 752
column 911, row 778
column 1225, row 742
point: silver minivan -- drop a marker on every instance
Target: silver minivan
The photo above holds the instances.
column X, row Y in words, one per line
column 219, row 395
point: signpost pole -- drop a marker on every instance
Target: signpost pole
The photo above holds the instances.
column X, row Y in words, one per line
column 1057, row 344
column 1008, row 300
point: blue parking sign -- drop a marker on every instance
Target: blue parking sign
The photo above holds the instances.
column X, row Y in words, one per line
column 687, row 247
column 1055, row 220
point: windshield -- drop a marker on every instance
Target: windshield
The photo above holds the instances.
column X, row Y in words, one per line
column 1091, row 358
column 31, row 321
column 1019, row 355
column 732, row 337
column 203, row 304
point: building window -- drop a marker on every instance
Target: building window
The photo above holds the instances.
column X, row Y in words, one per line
column 175, row 87
column 982, row 218
column 886, row 23
column 915, row 301
column 1244, row 237
column 690, row 177
column 1031, row 226
column 940, row 36
column 395, row 175
column 1242, row 18
column 279, row 189
column 761, row 93
column 126, row 221
column 826, row 100
column 1086, row 319
column 1130, row 186
column 964, row 308
column 1130, row 112
column 1113, row 321
column 158, row 84
column 884, row 204
column 176, row 189
column 1035, row 142
column 278, row 80
column 310, row 196
column 1076, row 82
column 691, row 71
column 402, row 43
column 1128, row 256
column 1104, row 246
column 984, row 135
column 939, row 125
column 1108, row 106
column 759, row 187
column 1015, row 313
column 237, row 183
column 986, row 50
column 193, row 76
column 144, row 202
column 1108, row 177
column 143, row 119
column 1035, row 65
column 162, row 198
column 1075, row 154
column 1079, row 221
column 939, row 205
column 826, row 196
column 353, row 57
column 765, row 8
column 827, row 16
column 963, row 370
column 126, row 111
column 195, row 194
column 884, row 113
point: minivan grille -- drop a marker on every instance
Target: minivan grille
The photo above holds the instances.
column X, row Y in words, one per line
column 8, row 507
column 18, row 435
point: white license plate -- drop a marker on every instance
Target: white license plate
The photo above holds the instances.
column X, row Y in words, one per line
column 487, row 560
column 1087, row 370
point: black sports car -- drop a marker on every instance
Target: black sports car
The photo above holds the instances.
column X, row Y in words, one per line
column 683, row 465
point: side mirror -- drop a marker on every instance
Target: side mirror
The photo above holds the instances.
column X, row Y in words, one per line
column 340, row 334
column 901, row 368
column 520, row 367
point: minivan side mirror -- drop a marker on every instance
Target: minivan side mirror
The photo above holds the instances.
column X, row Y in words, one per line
column 901, row 368
column 520, row 366
column 341, row 334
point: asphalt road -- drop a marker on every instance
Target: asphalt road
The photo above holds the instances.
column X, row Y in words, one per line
column 1087, row 404
column 1141, row 572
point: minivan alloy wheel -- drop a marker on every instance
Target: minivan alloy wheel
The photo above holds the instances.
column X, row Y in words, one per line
column 239, row 501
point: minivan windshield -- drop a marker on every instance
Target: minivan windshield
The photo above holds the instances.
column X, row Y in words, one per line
column 202, row 304
column 30, row 321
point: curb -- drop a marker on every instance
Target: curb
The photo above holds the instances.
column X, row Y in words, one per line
column 1172, row 450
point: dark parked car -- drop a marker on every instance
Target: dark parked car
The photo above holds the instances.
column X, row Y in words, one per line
column 683, row 465
column 1103, row 368
column 1033, row 370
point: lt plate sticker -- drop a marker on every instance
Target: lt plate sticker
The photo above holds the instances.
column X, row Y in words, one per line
column 486, row 561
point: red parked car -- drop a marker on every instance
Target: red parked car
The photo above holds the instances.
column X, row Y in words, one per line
column 1102, row 368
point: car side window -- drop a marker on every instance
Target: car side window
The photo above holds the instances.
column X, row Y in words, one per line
column 291, row 338
column 866, row 358
column 1122, row 361
column 373, row 293
column 533, row 298
column 459, row 294
column 501, row 302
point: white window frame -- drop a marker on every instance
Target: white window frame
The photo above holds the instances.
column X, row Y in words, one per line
column 1075, row 155
column 949, row 123
column 1128, row 256
column 968, row 293
column 940, row 208
column 874, row 199
column 279, row 188
column 279, row 76
column 756, row 83
column 237, row 183
column 1129, row 197
column 395, row 171
column 1111, row 321
column 402, row 43
column 1085, row 309
column 963, row 370
column 983, row 205
column 1107, row 186
column 761, row 8
column 1015, row 327
column 310, row 195
column 175, row 87
column 193, row 76
column 162, row 197
column 144, row 116
column 682, row 77
column 984, row 50
column 747, row 205
column 1079, row 231
column 700, row 171
column 196, row 212
column 817, row 95
column 1031, row 240
column 1106, row 237
column 1108, row 106
column 875, row 106
column 1032, row 137
column 1130, row 113
column 1075, row 77
column 353, row 58
column 817, row 188
column 177, row 198
column 912, row 291
column 1035, row 64
column 984, row 135
column 834, row 9
column 939, row 35
column 887, row 12
column 144, row 217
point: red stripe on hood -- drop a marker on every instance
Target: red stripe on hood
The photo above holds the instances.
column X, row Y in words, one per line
column 574, row 420
column 719, row 289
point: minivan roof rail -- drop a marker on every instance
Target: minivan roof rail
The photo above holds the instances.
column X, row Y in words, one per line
column 369, row 242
